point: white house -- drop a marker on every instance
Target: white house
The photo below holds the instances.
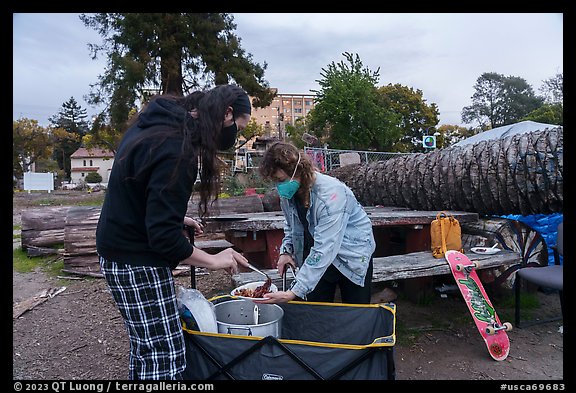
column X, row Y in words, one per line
column 83, row 161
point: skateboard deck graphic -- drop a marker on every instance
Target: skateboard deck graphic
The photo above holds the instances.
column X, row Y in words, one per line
column 481, row 309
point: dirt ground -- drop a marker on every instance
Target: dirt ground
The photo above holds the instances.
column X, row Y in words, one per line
column 79, row 334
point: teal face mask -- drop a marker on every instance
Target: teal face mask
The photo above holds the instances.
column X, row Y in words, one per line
column 288, row 188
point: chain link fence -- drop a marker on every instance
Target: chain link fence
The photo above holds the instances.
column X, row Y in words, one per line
column 245, row 160
column 328, row 159
column 324, row 159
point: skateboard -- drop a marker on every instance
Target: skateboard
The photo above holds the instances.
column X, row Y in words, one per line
column 492, row 331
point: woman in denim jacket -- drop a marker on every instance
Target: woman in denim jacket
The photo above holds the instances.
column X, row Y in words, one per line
column 327, row 233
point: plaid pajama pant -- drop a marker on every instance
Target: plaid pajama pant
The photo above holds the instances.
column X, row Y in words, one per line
column 146, row 299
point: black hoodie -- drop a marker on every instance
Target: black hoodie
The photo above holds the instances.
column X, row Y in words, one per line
column 142, row 216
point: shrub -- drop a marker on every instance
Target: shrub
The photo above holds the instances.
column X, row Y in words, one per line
column 93, row 177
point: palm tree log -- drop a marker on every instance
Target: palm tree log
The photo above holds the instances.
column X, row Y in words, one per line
column 520, row 174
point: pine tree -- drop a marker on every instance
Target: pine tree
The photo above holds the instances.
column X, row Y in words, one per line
column 69, row 125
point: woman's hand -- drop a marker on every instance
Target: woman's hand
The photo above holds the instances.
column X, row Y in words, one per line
column 284, row 260
column 198, row 227
column 276, row 297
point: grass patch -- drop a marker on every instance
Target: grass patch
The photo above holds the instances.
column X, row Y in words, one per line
column 404, row 336
column 454, row 313
column 50, row 264
column 506, row 306
column 87, row 200
column 528, row 300
column 434, row 314
column 72, row 198
column 96, row 200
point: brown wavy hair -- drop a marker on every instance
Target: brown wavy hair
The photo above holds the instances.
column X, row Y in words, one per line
column 283, row 155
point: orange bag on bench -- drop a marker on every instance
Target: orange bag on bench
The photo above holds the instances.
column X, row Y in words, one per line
column 445, row 234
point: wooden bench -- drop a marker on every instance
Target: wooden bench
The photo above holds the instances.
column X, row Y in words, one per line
column 423, row 264
column 400, row 267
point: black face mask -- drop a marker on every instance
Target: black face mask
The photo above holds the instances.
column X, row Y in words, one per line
column 228, row 137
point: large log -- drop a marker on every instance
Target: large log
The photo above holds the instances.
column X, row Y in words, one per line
column 520, row 174
column 43, row 227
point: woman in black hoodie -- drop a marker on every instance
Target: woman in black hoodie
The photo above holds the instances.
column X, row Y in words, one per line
column 140, row 237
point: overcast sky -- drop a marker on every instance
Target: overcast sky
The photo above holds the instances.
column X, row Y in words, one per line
column 440, row 54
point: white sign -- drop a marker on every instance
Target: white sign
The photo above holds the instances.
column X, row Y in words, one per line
column 38, row 181
column 349, row 158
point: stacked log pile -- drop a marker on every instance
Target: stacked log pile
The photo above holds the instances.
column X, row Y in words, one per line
column 80, row 255
column 75, row 228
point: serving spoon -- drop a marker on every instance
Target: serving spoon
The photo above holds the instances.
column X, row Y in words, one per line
column 258, row 271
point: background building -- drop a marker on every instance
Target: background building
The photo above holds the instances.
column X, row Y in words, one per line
column 83, row 161
column 284, row 109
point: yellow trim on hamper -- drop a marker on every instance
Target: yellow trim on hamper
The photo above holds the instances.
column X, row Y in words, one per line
column 391, row 340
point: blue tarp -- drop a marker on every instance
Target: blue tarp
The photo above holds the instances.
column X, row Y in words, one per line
column 522, row 127
column 546, row 225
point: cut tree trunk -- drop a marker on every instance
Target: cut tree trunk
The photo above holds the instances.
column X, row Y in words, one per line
column 43, row 227
column 520, row 174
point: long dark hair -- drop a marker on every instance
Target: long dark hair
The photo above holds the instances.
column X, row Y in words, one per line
column 211, row 108
column 200, row 135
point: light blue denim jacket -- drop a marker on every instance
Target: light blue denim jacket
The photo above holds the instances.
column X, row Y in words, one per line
column 341, row 230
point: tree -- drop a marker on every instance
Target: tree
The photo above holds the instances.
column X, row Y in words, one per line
column 417, row 118
column 295, row 132
column 169, row 53
column 519, row 100
column 499, row 100
column 348, row 113
column 552, row 112
column 69, row 126
column 451, row 134
column 102, row 135
column 252, row 130
column 547, row 113
column 553, row 89
column 30, row 143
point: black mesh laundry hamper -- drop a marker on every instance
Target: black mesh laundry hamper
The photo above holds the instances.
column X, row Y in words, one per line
column 317, row 341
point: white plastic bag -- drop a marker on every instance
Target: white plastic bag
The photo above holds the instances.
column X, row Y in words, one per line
column 202, row 310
